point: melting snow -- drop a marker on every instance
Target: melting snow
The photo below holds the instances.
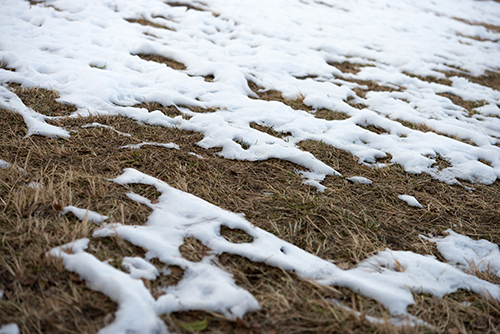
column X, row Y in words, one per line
column 359, row 179
column 468, row 254
column 90, row 54
column 412, row 201
column 167, row 145
column 83, row 214
column 390, row 277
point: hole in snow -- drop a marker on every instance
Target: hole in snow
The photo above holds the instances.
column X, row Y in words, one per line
column 269, row 130
column 170, row 111
column 145, row 22
column 188, row 6
column 235, row 235
column 193, row 250
column 163, row 60
column 274, row 95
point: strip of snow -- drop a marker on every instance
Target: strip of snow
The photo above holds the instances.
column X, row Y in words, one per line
column 411, row 201
column 359, row 179
column 99, row 125
column 83, row 214
column 137, row 146
column 468, row 254
column 390, row 277
column 34, row 121
column 137, row 311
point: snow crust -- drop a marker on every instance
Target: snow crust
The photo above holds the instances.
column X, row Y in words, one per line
column 83, row 214
column 411, row 201
column 88, row 52
column 468, row 254
column 389, row 277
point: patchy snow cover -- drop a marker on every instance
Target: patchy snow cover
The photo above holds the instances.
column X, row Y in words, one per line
column 136, row 146
column 469, row 254
column 83, row 214
column 389, row 277
column 359, row 179
column 88, row 52
column 410, row 200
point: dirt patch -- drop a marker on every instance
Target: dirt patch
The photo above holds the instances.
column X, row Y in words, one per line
column 163, row 60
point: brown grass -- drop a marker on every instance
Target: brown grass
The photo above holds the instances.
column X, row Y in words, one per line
column 145, row 22
column 160, row 59
column 347, row 223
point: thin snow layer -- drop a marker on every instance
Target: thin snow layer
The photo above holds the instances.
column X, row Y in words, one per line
column 136, row 146
column 99, row 125
column 389, row 277
column 411, row 201
column 83, row 214
column 4, row 164
column 9, row 329
column 359, row 179
column 466, row 253
column 88, row 52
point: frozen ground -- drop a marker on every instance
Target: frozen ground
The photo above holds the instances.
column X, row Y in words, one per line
column 92, row 54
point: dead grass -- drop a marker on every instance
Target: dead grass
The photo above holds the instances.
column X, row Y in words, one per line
column 145, row 22
column 274, row 95
column 160, row 59
column 347, row 223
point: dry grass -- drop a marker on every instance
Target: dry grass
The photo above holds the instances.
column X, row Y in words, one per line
column 347, row 223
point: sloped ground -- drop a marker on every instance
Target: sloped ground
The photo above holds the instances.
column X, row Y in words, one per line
column 346, row 223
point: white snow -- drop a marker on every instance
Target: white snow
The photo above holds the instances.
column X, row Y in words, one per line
column 137, row 146
column 83, row 214
column 359, row 179
column 390, row 277
column 9, row 329
column 469, row 254
column 411, row 201
column 89, row 52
